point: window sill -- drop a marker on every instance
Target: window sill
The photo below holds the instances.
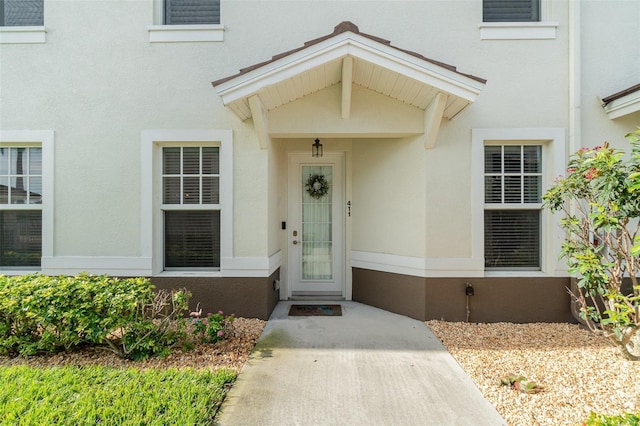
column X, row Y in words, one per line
column 518, row 30
column 523, row 273
column 185, row 33
column 15, row 271
column 186, row 274
column 22, row 35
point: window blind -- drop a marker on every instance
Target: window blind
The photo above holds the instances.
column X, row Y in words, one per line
column 21, row 13
column 512, row 239
column 185, row 12
column 192, row 239
column 511, row 10
column 20, row 238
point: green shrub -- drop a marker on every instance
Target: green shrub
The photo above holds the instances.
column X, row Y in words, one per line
column 604, row 420
column 156, row 326
column 601, row 204
column 41, row 313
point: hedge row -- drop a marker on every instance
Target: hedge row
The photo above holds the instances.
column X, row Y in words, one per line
column 41, row 313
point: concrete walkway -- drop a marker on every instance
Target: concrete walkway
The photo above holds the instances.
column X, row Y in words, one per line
column 366, row 367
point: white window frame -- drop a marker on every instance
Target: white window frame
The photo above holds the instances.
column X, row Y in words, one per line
column 165, row 207
column 43, row 139
column 553, row 141
column 522, row 205
column 160, row 33
column 545, row 29
column 152, row 229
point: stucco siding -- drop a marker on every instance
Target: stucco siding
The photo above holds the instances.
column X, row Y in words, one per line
column 414, row 207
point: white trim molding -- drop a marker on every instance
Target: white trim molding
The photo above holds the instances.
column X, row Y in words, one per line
column 23, row 35
column 417, row 266
column 518, row 30
column 250, row 266
column 383, row 262
column 111, row 265
column 185, row 33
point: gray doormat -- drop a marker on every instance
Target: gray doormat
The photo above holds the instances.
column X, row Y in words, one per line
column 315, row 310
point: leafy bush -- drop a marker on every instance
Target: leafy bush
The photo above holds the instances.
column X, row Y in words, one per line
column 41, row 313
column 155, row 327
column 600, row 200
column 604, row 420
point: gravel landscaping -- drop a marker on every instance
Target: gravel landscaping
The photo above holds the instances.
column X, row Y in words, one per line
column 579, row 371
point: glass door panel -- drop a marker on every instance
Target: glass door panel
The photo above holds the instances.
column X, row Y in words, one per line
column 316, row 238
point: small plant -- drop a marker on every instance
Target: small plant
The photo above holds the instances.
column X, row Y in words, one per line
column 605, row 420
column 211, row 328
column 521, row 383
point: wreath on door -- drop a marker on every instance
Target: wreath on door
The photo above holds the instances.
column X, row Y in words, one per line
column 317, row 186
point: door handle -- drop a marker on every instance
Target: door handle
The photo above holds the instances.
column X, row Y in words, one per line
column 295, row 242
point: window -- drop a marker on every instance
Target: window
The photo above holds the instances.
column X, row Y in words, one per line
column 510, row 233
column 511, row 10
column 191, row 207
column 517, row 20
column 180, row 21
column 20, row 207
column 23, row 13
column 512, row 197
column 184, row 173
column 187, row 12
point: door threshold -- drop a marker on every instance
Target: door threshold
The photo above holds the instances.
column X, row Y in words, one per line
column 317, row 296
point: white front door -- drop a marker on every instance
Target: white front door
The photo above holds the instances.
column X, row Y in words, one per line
column 316, row 225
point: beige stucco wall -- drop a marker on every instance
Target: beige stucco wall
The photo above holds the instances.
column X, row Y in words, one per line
column 610, row 63
column 389, row 196
column 98, row 82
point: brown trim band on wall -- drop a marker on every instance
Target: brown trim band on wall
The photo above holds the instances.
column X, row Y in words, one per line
column 244, row 297
column 495, row 299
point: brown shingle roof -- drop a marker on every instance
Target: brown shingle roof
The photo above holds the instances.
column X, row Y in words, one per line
column 343, row 27
column 621, row 94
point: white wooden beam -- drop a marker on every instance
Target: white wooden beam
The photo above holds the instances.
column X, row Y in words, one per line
column 432, row 119
column 347, row 82
column 259, row 121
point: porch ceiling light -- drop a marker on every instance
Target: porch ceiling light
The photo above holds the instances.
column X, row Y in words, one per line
column 316, row 148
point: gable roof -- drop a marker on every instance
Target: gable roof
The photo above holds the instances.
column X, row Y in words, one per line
column 621, row 103
column 348, row 54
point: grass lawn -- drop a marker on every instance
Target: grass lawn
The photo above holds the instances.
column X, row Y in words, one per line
column 93, row 395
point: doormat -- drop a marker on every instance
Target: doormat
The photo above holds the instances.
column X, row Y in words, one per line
column 315, row 310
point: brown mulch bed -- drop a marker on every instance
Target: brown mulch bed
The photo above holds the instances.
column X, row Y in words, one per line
column 230, row 353
column 579, row 371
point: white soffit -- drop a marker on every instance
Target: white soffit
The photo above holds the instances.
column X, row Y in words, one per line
column 376, row 65
column 622, row 103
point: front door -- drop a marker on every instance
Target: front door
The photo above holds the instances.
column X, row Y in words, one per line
column 316, row 225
